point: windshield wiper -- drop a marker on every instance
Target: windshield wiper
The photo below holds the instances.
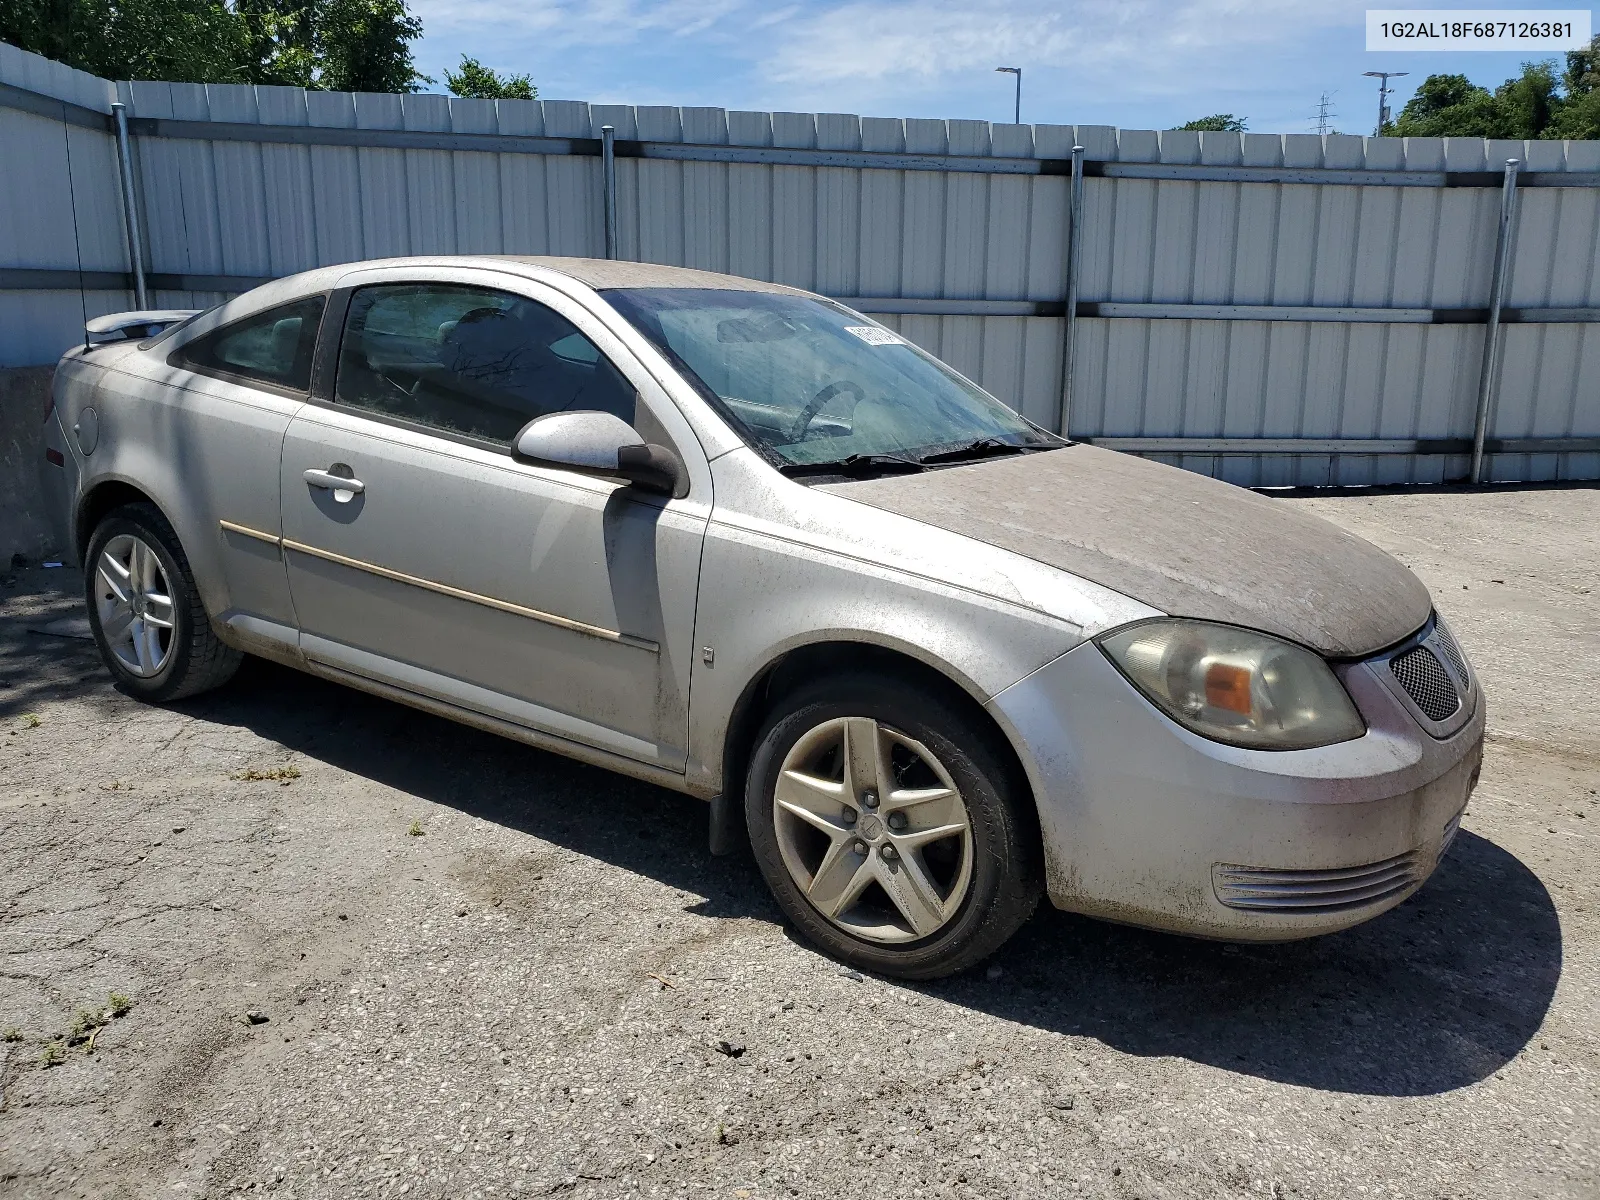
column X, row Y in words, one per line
column 855, row 466
column 982, row 448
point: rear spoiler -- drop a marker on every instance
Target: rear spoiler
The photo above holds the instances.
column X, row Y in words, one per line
column 133, row 326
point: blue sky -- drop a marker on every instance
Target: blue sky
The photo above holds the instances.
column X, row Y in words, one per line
column 1133, row 63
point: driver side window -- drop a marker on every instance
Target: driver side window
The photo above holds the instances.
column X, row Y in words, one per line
column 470, row 361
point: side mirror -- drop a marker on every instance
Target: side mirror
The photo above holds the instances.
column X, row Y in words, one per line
column 601, row 443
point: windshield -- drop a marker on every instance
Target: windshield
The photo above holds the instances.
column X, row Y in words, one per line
column 813, row 382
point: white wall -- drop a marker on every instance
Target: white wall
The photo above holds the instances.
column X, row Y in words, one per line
column 248, row 208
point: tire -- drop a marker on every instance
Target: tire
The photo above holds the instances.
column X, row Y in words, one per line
column 168, row 650
column 985, row 880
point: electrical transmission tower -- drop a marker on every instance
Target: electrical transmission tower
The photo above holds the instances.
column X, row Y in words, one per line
column 1324, row 115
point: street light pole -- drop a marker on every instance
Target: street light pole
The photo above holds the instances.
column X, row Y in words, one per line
column 1384, row 91
column 1017, row 71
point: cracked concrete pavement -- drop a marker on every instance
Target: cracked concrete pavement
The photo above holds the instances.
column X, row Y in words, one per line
column 488, row 971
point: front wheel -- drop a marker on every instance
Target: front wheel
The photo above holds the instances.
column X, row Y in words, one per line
column 889, row 828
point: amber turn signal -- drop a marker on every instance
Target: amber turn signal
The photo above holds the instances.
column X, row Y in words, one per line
column 1228, row 687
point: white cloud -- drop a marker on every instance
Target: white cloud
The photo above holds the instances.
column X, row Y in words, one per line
column 1126, row 61
column 1146, row 46
column 881, row 38
column 561, row 24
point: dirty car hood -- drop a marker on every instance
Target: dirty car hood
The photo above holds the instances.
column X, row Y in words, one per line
column 1183, row 543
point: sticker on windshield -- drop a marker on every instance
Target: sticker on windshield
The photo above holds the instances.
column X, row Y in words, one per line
column 873, row 336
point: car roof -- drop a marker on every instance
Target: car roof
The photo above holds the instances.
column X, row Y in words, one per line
column 601, row 273
column 597, row 273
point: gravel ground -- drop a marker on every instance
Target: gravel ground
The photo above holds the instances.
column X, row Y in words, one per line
column 479, row 970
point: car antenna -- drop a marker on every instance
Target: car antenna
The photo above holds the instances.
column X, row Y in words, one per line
column 77, row 244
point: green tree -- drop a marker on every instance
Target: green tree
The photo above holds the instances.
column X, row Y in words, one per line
column 472, row 78
column 1447, row 106
column 365, row 46
column 186, row 41
column 1437, row 93
column 283, row 41
column 350, row 45
column 1582, row 75
column 1217, row 123
column 1579, row 115
column 1578, row 119
column 1536, row 103
column 334, row 45
column 1528, row 103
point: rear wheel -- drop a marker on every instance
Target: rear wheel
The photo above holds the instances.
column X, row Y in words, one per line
column 889, row 828
column 145, row 610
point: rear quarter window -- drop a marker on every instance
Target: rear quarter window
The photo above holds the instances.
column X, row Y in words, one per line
column 273, row 347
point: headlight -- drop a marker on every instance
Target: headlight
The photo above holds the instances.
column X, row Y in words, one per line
column 1234, row 685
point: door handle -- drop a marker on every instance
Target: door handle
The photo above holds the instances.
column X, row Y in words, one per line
column 339, row 483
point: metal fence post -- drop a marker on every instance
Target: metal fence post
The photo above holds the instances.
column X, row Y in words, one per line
column 1488, row 378
column 130, row 207
column 608, row 161
column 1074, row 262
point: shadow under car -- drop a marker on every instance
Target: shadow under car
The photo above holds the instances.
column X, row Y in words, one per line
column 1434, row 995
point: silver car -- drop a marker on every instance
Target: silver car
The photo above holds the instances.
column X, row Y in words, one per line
column 740, row 541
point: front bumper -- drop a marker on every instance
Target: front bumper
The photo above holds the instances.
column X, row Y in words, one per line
column 1149, row 824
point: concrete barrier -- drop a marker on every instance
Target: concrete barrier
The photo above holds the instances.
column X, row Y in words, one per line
column 24, row 524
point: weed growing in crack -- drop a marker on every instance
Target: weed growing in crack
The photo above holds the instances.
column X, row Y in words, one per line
column 416, row 829
column 84, row 1025
column 85, row 1028
column 11, row 1035
column 31, row 721
column 274, row 774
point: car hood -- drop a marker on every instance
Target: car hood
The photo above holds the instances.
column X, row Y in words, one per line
column 1180, row 542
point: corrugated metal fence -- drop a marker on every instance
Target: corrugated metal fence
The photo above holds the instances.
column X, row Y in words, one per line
column 1272, row 309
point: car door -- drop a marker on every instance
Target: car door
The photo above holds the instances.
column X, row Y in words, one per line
column 422, row 554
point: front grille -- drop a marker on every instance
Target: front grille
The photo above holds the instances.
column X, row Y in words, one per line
column 1313, row 891
column 1447, row 645
column 1424, row 678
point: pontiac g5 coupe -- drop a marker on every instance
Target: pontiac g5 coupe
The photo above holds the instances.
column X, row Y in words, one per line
column 738, row 540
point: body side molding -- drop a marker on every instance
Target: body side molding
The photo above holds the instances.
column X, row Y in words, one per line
column 444, row 589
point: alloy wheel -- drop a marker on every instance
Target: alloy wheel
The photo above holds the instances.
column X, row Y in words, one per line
column 873, row 830
column 133, row 602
